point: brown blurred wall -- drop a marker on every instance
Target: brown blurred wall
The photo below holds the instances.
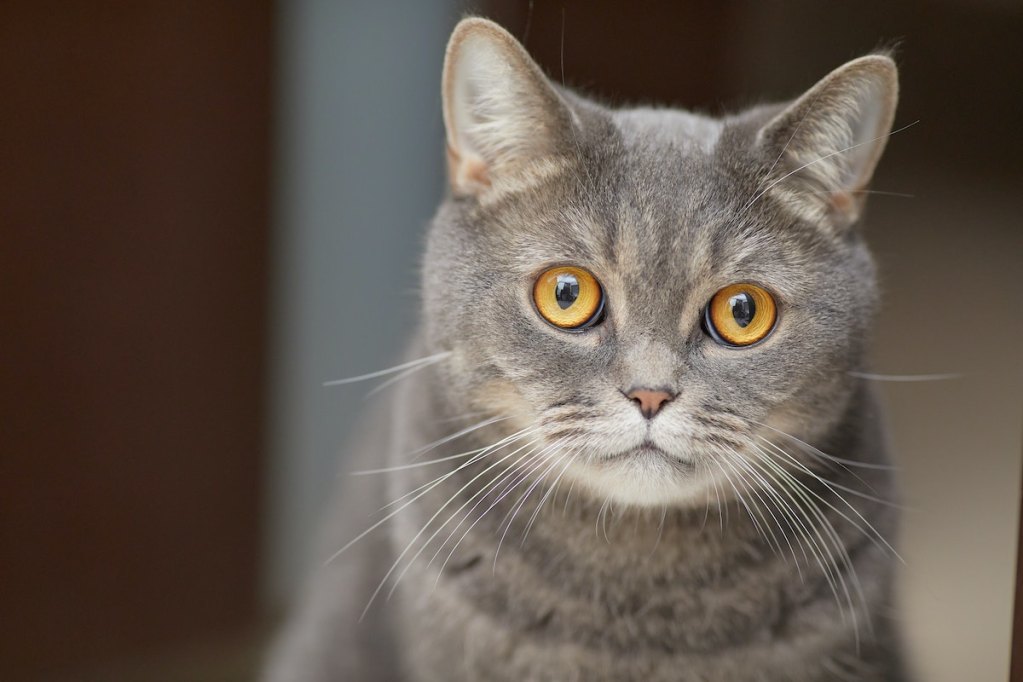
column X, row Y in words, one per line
column 134, row 145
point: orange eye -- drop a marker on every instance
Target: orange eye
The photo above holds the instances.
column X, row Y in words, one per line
column 741, row 315
column 568, row 297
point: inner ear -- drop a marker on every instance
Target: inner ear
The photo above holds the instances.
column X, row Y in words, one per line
column 505, row 121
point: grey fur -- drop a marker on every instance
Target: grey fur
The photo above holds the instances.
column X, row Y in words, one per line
column 665, row 208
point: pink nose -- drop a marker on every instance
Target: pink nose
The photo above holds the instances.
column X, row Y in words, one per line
column 649, row 401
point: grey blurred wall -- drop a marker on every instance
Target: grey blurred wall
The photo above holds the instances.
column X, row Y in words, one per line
column 359, row 173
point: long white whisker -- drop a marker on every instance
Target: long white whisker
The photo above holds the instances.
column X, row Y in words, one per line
column 553, row 486
column 742, row 501
column 811, row 449
column 706, row 511
column 908, row 378
column 835, row 486
column 397, row 561
column 426, row 448
column 467, row 415
column 831, row 573
column 422, row 490
column 507, row 440
column 456, row 435
column 509, row 519
column 823, row 158
column 766, row 524
column 596, row 523
column 396, row 378
column 809, row 110
column 568, row 496
column 508, row 477
column 751, row 505
column 791, row 517
column 436, row 532
column 430, row 446
column 843, row 553
column 874, row 533
column 390, row 370
column 902, row 195
column 718, row 493
column 835, row 463
column 741, row 462
column 660, row 526
column 415, row 465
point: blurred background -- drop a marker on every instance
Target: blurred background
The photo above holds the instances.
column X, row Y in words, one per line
column 210, row 208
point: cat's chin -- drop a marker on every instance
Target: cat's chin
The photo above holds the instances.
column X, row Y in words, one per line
column 645, row 476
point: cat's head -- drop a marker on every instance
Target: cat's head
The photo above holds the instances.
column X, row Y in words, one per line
column 649, row 291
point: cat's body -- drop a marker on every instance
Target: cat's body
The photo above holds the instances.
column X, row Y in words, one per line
column 712, row 537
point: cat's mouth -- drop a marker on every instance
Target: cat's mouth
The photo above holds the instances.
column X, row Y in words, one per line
column 648, row 450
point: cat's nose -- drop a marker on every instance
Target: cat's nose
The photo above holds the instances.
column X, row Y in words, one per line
column 648, row 400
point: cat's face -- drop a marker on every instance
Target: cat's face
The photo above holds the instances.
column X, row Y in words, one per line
column 572, row 270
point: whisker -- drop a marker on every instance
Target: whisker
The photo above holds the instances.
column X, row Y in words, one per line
column 823, row 158
column 467, row 415
column 788, row 483
column 390, row 370
column 426, row 448
column 509, row 518
column 422, row 490
column 740, row 462
column 660, row 526
column 820, row 453
column 562, row 44
column 763, row 523
column 553, row 486
column 481, row 494
column 415, row 465
column 395, row 379
column 908, row 378
column 795, row 131
column 596, row 523
column 458, row 434
column 508, row 440
column 722, row 514
column 787, row 511
column 706, row 511
column 902, row 195
column 741, row 501
column 833, row 487
column 568, row 496
column 832, row 574
column 519, row 467
column 837, row 463
column 838, row 486
column 397, row 561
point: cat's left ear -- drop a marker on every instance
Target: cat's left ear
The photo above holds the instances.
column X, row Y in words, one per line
column 506, row 124
column 828, row 142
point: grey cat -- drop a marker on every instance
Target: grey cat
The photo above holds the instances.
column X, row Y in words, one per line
column 635, row 447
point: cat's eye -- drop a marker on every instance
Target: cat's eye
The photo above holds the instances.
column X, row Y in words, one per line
column 741, row 315
column 568, row 297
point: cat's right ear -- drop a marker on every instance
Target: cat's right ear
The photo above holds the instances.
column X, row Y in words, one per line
column 506, row 124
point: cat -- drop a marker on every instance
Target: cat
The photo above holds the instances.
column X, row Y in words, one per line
column 630, row 444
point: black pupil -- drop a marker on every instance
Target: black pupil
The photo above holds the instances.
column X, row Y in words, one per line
column 566, row 290
column 743, row 309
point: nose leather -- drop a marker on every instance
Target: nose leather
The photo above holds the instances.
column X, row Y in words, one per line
column 650, row 401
